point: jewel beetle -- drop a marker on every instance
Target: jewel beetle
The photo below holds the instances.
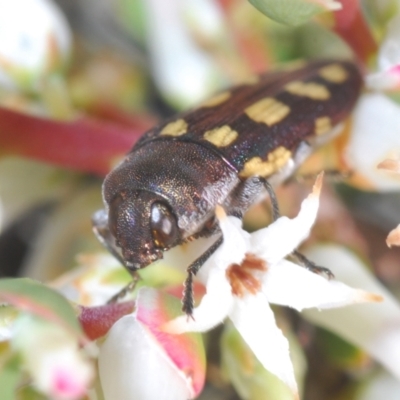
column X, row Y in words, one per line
column 228, row 151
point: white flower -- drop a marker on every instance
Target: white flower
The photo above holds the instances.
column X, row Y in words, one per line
column 184, row 73
column 374, row 138
column 375, row 128
column 132, row 365
column 138, row 361
column 52, row 357
column 388, row 75
column 375, row 328
column 34, row 40
column 250, row 271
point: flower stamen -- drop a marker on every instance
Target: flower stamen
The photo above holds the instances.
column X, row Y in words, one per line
column 242, row 276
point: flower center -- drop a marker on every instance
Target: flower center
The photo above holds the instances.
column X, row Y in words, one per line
column 243, row 277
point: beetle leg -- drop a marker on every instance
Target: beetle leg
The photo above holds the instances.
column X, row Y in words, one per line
column 274, row 201
column 192, row 269
column 311, row 266
column 130, row 287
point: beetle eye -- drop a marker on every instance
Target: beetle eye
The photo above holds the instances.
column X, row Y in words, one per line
column 163, row 226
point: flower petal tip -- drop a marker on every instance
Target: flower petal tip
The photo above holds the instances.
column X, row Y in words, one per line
column 393, row 239
column 389, row 165
column 367, row 297
column 220, row 213
column 318, row 185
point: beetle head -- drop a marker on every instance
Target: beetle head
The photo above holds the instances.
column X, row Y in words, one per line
column 143, row 226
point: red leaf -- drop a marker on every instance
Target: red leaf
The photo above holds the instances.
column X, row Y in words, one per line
column 86, row 144
column 97, row 321
column 350, row 24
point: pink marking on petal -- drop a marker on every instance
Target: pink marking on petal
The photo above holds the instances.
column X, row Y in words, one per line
column 185, row 351
column 67, row 384
column 395, row 70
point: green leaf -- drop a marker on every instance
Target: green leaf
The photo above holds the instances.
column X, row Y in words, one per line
column 10, row 375
column 288, row 12
column 313, row 40
column 37, row 299
column 340, row 352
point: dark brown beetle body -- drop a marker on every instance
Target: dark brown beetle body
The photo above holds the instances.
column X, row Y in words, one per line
column 166, row 190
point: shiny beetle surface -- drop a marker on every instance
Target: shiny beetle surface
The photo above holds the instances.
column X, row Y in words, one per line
column 220, row 153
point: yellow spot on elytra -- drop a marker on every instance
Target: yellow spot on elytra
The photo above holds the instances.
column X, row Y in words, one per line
column 334, row 73
column 268, row 110
column 257, row 167
column 175, row 128
column 313, row 90
column 216, row 100
column 322, row 125
column 222, row 136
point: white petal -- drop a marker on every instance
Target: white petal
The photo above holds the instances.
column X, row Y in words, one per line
column 218, row 300
column 284, row 235
column 375, row 133
column 233, row 249
column 292, row 285
column 133, row 366
column 32, row 34
column 389, row 51
column 254, row 319
column 387, row 80
column 373, row 327
column 52, row 357
column 213, row 309
column 388, row 75
column 236, row 240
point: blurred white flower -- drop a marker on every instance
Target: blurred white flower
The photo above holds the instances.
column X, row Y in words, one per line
column 98, row 278
column 374, row 328
column 139, row 361
column 250, row 271
column 380, row 386
column 376, row 120
column 35, row 40
column 52, row 357
column 374, row 138
column 184, row 73
column 387, row 76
